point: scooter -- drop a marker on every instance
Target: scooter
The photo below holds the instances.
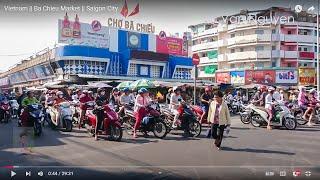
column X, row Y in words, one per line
column 111, row 124
column 5, row 111
column 153, row 122
column 14, row 108
column 75, row 108
column 282, row 117
column 187, row 120
column 65, row 119
column 33, row 116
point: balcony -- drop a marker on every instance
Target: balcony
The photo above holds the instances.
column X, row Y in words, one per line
column 289, row 54
column 205, row 46
column 299, row 38
column 206, row 60
column 202, row 74
column 205, row 33
column 222, row 42
column 306, row 55
column 249, row 55
column 222, row 57
column 253, row 38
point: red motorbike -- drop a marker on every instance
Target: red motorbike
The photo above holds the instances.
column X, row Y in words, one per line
column 5, row 111
column 111, row 122
column 199, row 112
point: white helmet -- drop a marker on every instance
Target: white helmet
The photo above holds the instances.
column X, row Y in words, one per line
column 175, row 88
column 271, row 89
column 313, row 90
column 59, row 93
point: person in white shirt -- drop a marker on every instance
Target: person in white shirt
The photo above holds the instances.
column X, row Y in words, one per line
column 174, row 104
column 276, row 95
column 125, row 98
column 269, row 105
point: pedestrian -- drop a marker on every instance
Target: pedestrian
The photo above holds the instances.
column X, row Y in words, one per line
column 219, row 117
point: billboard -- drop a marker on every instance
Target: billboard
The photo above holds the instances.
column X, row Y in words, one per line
column 237, row 77
column 286, row 76
column 169, row 45
column 260, row 77
column 77, row 33
column 307, row 76
column 223, row 77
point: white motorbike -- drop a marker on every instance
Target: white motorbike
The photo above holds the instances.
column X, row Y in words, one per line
column 14, row 108
column 282, row 117
column 65, row 118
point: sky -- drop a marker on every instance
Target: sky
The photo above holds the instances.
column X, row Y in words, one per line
column 22, row 34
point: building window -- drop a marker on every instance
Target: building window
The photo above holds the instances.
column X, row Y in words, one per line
column 232, row 50
column 289, row 65
column 273, row 31
column 155, row 71
column 232, row 66
column 273, row 47
column 289, row 32
column 274, row 64
column 232, row 35
column 241, row 49
column 133, row 70
column 260, row 64
column 259, row 31
column 259, row 48
column 299, row 48
column 305, row 49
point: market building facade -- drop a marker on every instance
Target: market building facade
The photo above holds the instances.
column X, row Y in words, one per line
column 95, row 52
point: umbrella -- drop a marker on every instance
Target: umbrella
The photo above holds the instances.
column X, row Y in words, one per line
column 100, row 85
column 124, row 84
column 141, row 83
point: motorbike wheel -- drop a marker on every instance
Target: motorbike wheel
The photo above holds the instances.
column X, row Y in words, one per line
column 245, row 119
column 68, row 124
column 160, row 129
column 37, row 129
column 128, row 128
column 290, row 123
column 195, row 128
column 116, row 133
column 255, row 120
column 298, row 115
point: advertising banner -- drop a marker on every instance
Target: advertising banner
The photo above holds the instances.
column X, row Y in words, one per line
column 307, row 76
column 39, row 72
column 169, row 45
column 223, row 77
column 260, row 77
column 47, row 70
column 237, row 77
column 32, row 73
column 286, row 76
column 77, row 33
column 210, row 69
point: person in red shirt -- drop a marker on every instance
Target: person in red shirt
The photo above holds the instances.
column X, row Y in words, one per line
column 84, row 98
column 57, row 101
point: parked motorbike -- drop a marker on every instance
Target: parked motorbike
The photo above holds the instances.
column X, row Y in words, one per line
column 153, row 122
column 5, row 111
column 111, row 125
column 282, row 117
column 65, row 119
column 246, row 114
column 14, row 108
column 187, row 120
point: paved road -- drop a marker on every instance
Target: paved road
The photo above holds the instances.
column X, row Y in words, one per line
column 247, row 151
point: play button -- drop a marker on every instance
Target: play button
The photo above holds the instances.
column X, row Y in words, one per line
column 13, row 173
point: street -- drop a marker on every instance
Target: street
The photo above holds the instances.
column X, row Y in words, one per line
column 255, row 150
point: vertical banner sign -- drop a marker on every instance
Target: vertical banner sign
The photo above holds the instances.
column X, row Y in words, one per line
column 286, row 76
column 223, row 77
column 307, row 76
column 260, row 77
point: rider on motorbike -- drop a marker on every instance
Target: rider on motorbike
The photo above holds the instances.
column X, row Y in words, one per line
column 303, row 101
column 57, row 101
column 269, row 105
column 313, row 104
column 175, row 101
column 30, row 99
column 206, row 98
column 125, row 99
column 141, row 102
column 114, row 97
column 84, row 98
column 100, row 100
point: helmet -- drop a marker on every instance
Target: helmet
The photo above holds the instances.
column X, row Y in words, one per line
column 142, row 90
column 302, row 88
column 271, row 89
column 263, row 87
column 176, row 88
column 125, row 90
column 207, row 89
column 90, row 92
column 85, row 91
column 78, row 90
column 115, row 89
column 59, row 93
column 312, row 91
column 100, row 90
column 29, row 92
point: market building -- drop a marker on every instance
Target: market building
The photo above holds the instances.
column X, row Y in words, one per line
column 275, row 45
column 94, row 52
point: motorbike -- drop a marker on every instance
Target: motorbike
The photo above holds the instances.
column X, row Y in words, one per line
column 33, row 118
column 282, row 117
column 75, row 108
column 298, row 113
column 153, row 122
column 5, row 111
column 14, row 108
column 65, row 119
column 246, row 114
column 187, row 120
column 111, row 125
